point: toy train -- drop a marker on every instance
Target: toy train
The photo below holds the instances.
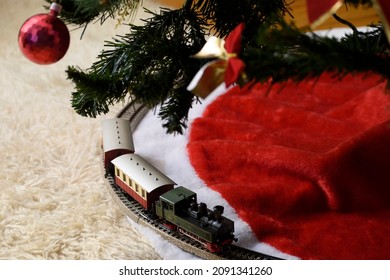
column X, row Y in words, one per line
column 174, row 206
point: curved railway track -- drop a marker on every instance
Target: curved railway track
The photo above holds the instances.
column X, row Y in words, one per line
column 135, row 112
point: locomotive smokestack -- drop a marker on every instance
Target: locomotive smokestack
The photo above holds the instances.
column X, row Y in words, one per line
column 202, row 209
column 218, row 211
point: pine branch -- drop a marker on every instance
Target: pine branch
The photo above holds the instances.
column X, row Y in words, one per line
column 153, row 62
column 83, row 12
column 224, row 15
column 95, row 93
column 287, row 53
column 174, row 113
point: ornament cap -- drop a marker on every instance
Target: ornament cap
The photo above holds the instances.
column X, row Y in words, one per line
column 56, row 8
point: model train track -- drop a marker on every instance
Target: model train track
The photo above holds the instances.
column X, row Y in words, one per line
column 135, row 112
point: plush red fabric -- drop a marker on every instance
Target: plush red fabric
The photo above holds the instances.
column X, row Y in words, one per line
column 307, row 166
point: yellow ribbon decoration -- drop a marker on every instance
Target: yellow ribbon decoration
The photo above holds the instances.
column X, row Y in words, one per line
column 211, row 75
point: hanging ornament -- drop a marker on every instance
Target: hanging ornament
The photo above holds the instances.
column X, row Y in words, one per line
column 44, row 38
column 226, row 68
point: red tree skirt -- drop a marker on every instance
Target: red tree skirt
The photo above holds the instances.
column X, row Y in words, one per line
column 307, row 166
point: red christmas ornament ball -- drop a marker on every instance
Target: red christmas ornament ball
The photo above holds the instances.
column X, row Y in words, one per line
column 44, row 38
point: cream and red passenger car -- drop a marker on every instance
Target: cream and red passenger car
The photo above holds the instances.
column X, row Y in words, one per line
column 140, row 179
column 117, row 139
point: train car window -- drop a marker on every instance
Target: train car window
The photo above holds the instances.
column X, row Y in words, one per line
column 124, row 177
column 117, row 172
column 136, row 188
column 143, row 193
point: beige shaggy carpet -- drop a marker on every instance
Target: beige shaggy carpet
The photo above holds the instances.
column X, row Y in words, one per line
column 53, row 203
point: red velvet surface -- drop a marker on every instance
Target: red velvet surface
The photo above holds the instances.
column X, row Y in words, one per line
column 307, row 166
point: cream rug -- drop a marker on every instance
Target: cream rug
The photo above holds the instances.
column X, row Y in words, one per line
column 53, row 204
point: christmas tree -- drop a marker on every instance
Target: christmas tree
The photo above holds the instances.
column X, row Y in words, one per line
column 154, row 63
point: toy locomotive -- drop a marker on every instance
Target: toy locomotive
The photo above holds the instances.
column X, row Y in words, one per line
column 175, row 207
